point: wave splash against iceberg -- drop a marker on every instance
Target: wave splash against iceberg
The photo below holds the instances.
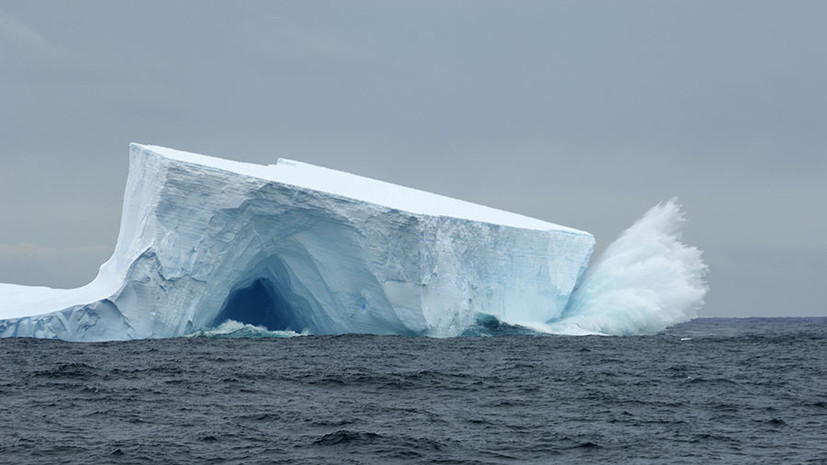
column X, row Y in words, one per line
column 645, row 281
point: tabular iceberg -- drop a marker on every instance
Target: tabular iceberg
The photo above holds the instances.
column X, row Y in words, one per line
column 293, row 246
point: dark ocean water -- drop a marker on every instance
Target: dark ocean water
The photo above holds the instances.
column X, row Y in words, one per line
column 709, row 391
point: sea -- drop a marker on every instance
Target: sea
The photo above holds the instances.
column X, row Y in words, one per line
column 748, row 391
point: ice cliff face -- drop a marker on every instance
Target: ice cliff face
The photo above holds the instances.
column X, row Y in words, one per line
column 299, row 247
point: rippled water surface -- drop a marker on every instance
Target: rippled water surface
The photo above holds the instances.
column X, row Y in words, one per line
column 722, row 391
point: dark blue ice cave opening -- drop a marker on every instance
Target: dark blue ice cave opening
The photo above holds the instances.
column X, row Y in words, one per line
column 260, row 304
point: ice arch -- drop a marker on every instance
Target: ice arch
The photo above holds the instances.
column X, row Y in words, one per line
column 261, row 304
column 268, row 298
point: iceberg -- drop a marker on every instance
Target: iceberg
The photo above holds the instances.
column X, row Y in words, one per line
column 293, row 247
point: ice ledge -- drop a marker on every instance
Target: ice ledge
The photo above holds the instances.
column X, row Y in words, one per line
column 360, row 188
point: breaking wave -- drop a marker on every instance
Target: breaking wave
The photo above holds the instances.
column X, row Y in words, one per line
column 645, row 281
column 232, row 329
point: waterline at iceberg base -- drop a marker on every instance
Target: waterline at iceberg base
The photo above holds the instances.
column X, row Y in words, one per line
column 296, row 247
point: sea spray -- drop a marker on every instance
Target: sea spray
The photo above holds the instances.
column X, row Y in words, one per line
column 644, row 281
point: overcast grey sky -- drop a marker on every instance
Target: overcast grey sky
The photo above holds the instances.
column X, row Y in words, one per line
column 580, row 113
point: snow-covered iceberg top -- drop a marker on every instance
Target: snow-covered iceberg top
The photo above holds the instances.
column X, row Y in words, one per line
column 296, row 247
column 360, row 188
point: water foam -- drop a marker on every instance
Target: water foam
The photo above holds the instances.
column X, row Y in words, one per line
column 645, row 281
column 235, row 329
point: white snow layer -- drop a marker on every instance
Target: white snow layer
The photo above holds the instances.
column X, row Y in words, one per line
column 296, row 247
